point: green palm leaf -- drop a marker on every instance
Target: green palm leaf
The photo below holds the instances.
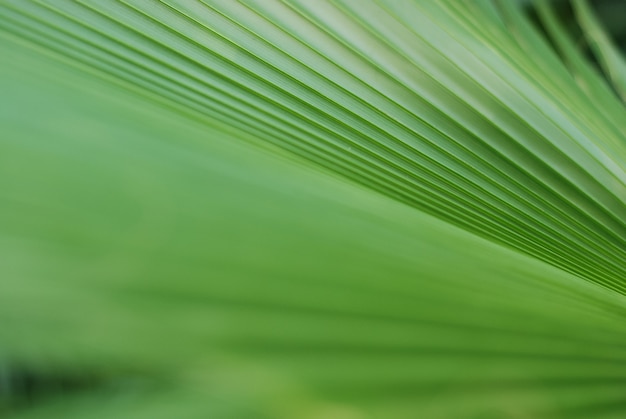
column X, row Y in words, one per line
column 306, row 209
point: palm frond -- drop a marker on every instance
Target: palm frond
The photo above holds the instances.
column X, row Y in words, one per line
column 329, row 209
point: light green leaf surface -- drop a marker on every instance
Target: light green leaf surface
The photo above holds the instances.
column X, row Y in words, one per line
column 344, row 209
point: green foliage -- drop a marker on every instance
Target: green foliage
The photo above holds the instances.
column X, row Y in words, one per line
column 612, row 62
column 306, row 209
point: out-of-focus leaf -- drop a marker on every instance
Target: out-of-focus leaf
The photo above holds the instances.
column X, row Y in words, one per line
column 609, row 57
column 586, row 76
